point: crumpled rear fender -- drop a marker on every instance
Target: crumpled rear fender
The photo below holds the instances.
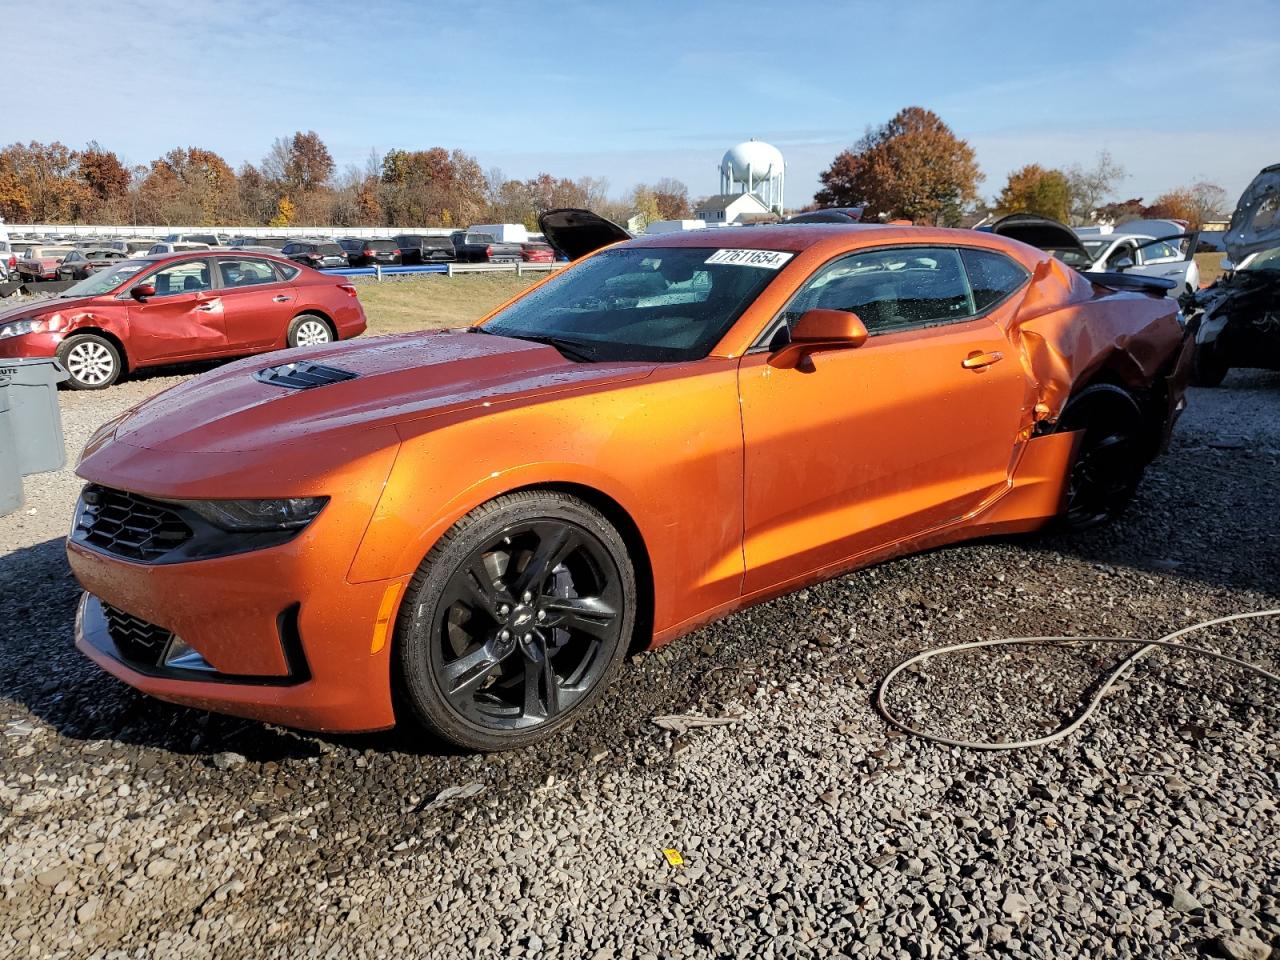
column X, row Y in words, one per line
column 1068, row 331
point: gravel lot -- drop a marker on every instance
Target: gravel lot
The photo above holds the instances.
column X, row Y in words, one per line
column 132, row 828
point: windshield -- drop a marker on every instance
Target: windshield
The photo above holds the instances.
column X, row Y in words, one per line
column 640, row 303
column 1095, row 247
column 1266, row 260
column 104, row 281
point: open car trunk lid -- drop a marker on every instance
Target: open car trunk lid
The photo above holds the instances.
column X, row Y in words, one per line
column 1044, row 233
column 1255, row 224
column 576, row 233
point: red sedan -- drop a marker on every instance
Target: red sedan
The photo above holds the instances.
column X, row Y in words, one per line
column 173, row 308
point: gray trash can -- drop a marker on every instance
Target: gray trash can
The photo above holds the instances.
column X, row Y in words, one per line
column 33, row 412
column 10, row 475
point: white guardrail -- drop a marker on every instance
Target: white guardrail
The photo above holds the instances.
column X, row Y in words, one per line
column 449, row 269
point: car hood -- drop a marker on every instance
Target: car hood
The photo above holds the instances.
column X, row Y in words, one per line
column 1244, row 236
column 54, row 305
column 394, row 379
column 576, row 233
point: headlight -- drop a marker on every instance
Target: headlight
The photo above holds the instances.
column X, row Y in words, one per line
column 243, row 516
column 16, row 328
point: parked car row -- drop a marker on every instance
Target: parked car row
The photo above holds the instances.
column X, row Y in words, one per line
column 174, row 307
column 43, row 259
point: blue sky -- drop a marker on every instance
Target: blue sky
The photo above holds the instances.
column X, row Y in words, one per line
column 639, row 90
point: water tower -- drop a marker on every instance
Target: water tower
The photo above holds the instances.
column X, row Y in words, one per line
column 754, row 167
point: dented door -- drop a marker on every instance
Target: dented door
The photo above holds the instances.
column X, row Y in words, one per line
column 183, row 320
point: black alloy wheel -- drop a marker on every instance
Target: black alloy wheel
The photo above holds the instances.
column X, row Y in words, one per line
column 1111, row 459
column 516, row 620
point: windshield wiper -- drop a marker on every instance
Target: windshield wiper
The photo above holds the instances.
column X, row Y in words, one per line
column 572, row 349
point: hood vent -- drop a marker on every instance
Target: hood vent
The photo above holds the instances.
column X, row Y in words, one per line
column 302, row 375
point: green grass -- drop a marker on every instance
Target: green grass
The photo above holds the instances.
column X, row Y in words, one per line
column 424, row 303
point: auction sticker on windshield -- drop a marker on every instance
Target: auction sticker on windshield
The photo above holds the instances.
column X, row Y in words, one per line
column 768, row 259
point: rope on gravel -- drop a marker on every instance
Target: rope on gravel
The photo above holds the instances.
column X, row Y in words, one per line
column 1168, row 641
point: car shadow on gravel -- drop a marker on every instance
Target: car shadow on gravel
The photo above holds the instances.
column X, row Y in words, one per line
column 1175, row 529
column 41, row 671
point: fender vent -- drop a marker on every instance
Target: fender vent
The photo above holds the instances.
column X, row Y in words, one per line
column 302, row 375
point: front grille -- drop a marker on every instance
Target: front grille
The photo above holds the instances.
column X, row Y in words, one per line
column 302, row 375
column 137, row 640
column 127, row 525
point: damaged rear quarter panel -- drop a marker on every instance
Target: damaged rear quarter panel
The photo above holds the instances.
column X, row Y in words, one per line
column 1069, row 330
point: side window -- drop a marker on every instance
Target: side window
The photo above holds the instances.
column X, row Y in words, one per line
column 189, row 276
column 890, row 289
column 1159, row 252
column 289, row 272
column 245, row 272
column 992, row 277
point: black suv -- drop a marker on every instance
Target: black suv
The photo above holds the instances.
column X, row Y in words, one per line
column 315, row 253
column 417, row 248
column 363, row 252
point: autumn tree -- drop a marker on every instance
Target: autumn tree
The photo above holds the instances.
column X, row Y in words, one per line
column 912, row 167
column 41, row 182
column 1033, row 189
column 284, row 214
column 418, row 186
column 670, row 199
column 193, row 186
column 1177, row 204
column 1210, row 202
column 1089, row 187
column 107, row 180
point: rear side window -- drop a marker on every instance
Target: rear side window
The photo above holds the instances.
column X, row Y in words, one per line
column 890, row 290
column 289, row 272
column 993, row 277
column 245, row 271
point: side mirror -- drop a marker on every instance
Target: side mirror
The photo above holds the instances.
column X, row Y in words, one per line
column 1121, row 265
column 1227, row 265
column 140, row 291
column 822, row 330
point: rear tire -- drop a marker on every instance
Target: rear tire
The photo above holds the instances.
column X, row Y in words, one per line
column 308, row 330
column 1113, row 455
column 515, row 622
column 93, row 362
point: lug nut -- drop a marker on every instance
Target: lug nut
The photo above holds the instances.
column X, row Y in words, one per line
column 528, row 637
column 504, row 610
column 505, row 635
column 542, row 614
column 527, row 596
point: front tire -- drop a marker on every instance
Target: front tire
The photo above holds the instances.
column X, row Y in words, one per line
column 1208, row 368
column 308, row 330
column 515, row 622
column 93, row 362
column 1111, row 458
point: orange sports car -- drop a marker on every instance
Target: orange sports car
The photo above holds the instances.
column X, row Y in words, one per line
column 469, row 529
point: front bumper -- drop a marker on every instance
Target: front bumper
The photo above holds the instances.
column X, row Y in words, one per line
column 286, row 640
column 31, row 345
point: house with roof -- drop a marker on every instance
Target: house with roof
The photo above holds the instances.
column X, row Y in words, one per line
column 730, row 208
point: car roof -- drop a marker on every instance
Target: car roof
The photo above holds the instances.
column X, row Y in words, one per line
column 221, row 251
column 835, row 237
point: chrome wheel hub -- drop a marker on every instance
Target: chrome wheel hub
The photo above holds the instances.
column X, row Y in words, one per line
column 90, row 363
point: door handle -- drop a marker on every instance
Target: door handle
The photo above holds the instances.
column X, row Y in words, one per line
column 208, row 307
column 976, row 361
column 280, row 298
